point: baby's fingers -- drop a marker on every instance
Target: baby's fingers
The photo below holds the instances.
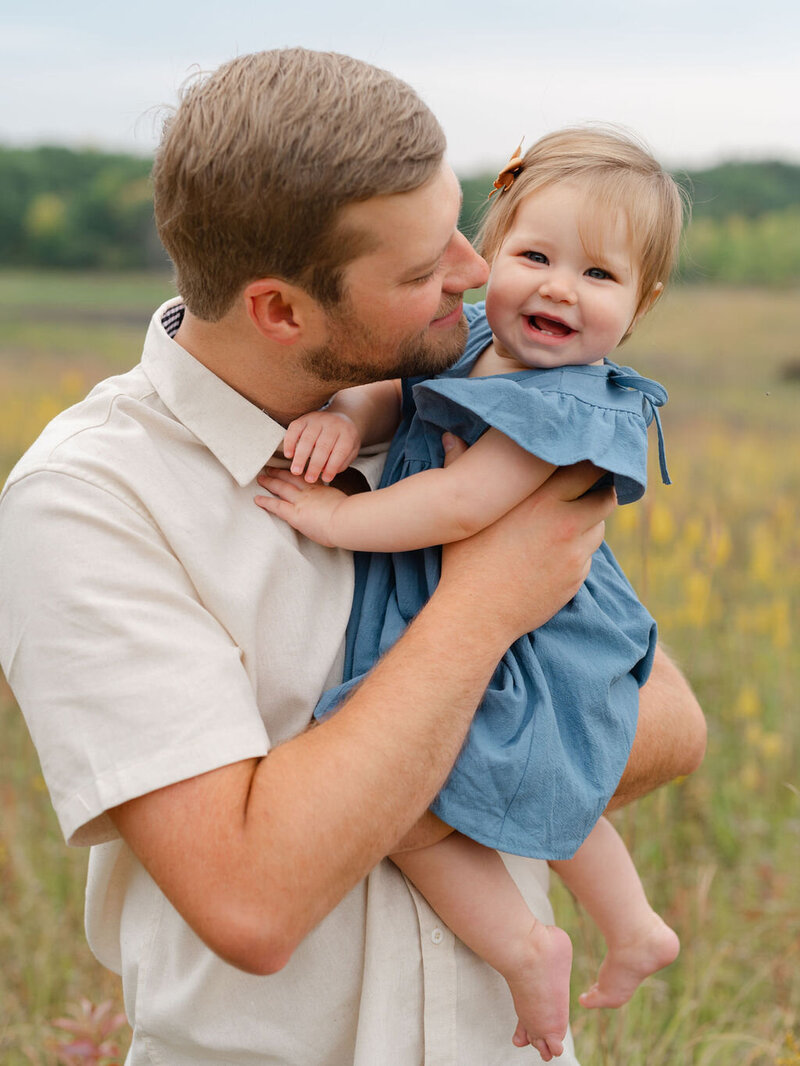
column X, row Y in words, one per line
column 304, row 448
column 342, row 455
column 281, row 483
column 280, row 508
column 292, row 435
column 321, row 456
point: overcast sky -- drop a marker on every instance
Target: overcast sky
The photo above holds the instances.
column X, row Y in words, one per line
column 699, row 81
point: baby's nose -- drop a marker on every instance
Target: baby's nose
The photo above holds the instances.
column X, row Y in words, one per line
column 559, row 288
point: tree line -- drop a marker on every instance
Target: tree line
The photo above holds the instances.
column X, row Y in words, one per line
column 91, row 210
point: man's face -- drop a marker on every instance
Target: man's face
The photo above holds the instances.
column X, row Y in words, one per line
column 401, row 314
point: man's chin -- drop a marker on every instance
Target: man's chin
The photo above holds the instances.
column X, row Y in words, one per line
column 424, row 356
column 436, row 353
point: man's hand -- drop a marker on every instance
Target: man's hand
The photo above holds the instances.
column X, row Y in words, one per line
column 520, row 571
column 321, row 443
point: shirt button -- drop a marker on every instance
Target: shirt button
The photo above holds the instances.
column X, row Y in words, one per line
column 437, row 936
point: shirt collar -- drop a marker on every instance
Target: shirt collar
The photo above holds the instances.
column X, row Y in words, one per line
column 239, row 434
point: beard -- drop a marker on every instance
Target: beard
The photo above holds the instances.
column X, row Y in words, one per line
column 350, row 356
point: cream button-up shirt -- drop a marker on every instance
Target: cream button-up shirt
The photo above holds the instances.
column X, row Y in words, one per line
column 155, row 625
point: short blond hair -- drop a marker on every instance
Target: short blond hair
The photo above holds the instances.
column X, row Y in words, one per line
column 620, row 175
column 260, row 155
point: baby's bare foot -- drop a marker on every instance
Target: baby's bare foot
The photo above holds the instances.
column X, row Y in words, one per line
column 649, row 948
column 539, row 985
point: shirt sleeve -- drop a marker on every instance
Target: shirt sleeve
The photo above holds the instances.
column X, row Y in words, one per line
column 127, row 682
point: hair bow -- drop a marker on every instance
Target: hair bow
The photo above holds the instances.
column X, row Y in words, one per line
column 505, row 179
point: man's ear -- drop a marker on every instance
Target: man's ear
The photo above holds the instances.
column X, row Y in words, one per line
column 280, row 311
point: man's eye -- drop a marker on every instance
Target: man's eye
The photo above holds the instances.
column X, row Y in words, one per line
column 423, row 278
column 536, row 257
column 597, row 272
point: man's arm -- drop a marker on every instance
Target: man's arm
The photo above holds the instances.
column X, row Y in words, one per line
column 670, row 737
column 255, row 854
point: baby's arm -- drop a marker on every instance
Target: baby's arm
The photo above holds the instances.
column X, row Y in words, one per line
column 323, row 443
column 473, row 893
column 433, row 507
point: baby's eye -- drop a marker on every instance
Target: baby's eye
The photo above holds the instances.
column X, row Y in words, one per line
column 536, row 257
column 599, row 273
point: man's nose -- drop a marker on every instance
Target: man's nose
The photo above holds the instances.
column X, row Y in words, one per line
column 464, row 268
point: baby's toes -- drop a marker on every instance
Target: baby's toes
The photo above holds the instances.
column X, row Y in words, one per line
column 542, row 1048
column 520, row 1037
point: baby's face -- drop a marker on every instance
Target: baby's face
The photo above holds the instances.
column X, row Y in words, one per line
column 562, row 290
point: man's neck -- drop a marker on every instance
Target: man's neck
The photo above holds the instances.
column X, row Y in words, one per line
column 264, row 373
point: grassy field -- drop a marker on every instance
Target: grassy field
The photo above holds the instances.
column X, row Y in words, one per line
column 717, row 559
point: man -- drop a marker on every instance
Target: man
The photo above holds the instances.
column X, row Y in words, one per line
column 167, row 640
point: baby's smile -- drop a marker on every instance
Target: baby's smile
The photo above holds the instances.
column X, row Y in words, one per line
column 552, row 327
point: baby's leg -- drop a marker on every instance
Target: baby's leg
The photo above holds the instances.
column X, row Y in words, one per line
column 470, row 889
column 602, row 876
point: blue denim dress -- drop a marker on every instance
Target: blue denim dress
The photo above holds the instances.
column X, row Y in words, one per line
column 551, row 738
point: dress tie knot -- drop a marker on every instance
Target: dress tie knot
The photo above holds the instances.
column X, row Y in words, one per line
column 655, row 396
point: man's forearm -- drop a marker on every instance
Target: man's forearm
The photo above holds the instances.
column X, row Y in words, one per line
column 372, row 770
column 255, row 854
column 670, row 737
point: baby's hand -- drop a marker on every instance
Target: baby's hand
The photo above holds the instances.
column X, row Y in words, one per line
column 321, row 443
column 307, row 507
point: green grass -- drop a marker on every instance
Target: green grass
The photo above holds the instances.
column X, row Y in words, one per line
column 717, row 559
column 22, row 291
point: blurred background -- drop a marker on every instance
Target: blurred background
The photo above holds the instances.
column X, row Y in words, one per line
column 713, row 89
